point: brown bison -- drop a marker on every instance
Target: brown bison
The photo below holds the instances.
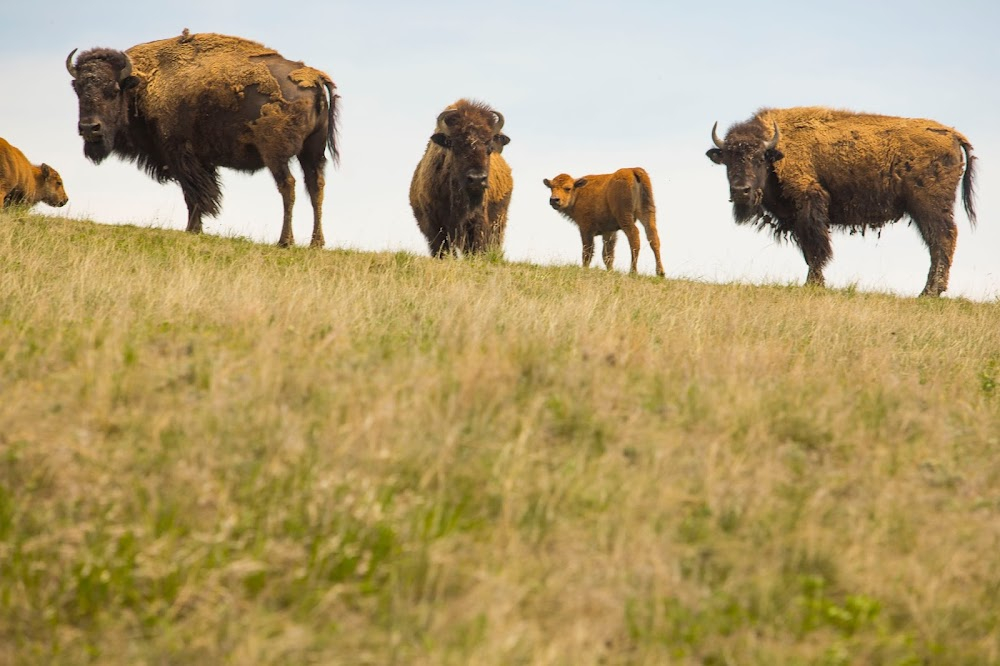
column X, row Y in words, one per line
column 461, row 188
column 183, row 107
column 605, row 203
column 804, row 170
column 23, row 183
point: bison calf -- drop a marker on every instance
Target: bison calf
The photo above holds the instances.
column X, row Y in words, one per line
column 605, row 203
column 23, row 183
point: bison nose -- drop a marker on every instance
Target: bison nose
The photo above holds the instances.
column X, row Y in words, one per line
column 553, row 201
column 88, row 130
column 740, row 192
column 476, row 179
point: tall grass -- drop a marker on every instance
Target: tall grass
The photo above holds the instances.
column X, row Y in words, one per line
column 213, row 451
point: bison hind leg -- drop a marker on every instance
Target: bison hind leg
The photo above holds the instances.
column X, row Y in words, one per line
column 312, row 159
column 286, row 186
column 608, row 249
column 939, row 231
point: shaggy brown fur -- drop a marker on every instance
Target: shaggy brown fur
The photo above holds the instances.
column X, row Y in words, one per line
column 185, row 106
column 832, row 168
column 24, row 184
column 462, row 186
column 605, row 203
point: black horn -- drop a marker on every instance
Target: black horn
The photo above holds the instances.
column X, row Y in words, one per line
column 774, row 139
column 69, row 64
column 719, row 143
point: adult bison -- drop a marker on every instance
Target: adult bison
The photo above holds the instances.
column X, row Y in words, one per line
column 804, row 170
column 23, row 183
column 461, row 188
column 183, row 107
column 605, row 203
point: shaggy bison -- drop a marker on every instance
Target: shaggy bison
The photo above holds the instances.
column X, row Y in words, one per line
column 183, row 107
column 605, row 203
column 23, row 183
column 804, row 170
column 461, row 188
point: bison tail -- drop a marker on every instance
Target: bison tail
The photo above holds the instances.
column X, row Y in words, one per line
column 645, row 190
column 331, row 129
column 968, row 181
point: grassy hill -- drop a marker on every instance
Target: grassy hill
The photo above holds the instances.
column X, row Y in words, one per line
column 213, row 451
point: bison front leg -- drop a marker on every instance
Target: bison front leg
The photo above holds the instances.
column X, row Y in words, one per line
column 588, row 247
column 286, row 186
column 608, row 251
column 200, row 185
column 812, row 233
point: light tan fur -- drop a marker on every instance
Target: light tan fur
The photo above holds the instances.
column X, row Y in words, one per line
column 23, row 183
column 602, row 205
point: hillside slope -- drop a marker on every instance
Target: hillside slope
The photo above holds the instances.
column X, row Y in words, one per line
column 213, row 451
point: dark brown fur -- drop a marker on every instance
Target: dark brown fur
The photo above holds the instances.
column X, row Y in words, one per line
column 462, row 186
column 603, row 205
column 199, row 102
column 857, row 171
column 24, row 184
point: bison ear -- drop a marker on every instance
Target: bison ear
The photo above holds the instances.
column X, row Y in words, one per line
column 45, row 169
column 548, row 183
column 580, row 182
column 441, row 139
column 129, row 82
column 715, row 155
column 773, row 155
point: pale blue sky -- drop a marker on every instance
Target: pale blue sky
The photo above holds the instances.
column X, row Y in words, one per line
column 585, row 87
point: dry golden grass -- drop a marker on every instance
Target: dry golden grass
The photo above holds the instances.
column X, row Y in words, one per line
column 214, row 452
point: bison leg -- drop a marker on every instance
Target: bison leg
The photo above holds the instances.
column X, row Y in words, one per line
column 811, row 231
column 440, row 244
column 634, row 242
column 653, row 238
column 312, row 159
column 200, row 184
column 588, row 247
column 608, row 250
column 286, row 185
column 939, row 233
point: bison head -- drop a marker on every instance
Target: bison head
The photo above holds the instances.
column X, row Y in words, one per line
column 49, row 185
column 101, row 79
column 563, row 191
column 471, row 133
column 748, row 155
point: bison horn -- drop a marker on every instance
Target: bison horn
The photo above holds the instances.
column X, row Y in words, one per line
column 499, row 124
column 126, row 70
column 69, row 64
column 774, row 139
column 442, row 127
column 719, row 143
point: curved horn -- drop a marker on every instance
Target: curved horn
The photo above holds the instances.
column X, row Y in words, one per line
column 126, row 70
column 69, row 64
column 719, row 143
column 499, row 124
column 774, row 139
column 440, row 121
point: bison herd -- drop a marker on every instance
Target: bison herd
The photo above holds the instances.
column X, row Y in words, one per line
column 183, row 107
